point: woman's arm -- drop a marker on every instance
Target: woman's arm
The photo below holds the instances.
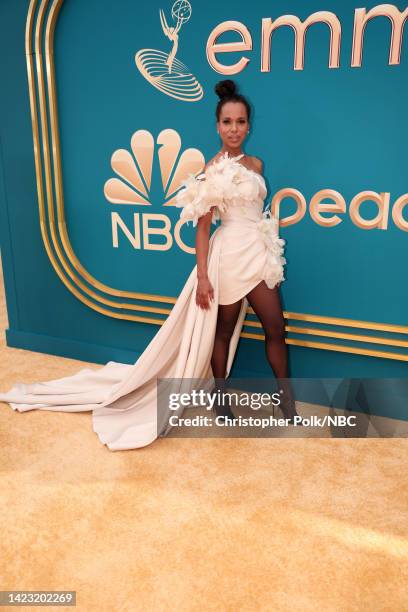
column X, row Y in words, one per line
column 205, row 291
column 202, row 243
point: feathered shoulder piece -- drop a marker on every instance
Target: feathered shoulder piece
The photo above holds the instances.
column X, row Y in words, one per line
column 224, row 183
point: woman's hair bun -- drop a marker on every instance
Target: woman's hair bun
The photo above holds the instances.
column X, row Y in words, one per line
column 226, row 88
column 228, row 92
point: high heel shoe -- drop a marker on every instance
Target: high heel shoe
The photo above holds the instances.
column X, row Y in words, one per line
column 288, row 407
column 222, row 408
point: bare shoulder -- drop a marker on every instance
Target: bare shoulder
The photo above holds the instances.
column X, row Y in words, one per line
column 257, row 164
column 211, row 161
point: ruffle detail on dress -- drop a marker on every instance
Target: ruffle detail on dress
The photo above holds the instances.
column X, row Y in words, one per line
column 275, row 261
column 224, row 183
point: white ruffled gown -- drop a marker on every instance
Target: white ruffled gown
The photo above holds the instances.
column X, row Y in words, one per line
column 244, row 250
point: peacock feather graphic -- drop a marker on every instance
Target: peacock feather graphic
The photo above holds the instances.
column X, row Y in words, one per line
column 134, row 168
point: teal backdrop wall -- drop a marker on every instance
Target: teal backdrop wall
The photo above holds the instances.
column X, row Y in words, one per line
column 318, row 128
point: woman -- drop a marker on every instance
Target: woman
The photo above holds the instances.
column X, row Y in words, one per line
column 242, row 262
column 233, row 126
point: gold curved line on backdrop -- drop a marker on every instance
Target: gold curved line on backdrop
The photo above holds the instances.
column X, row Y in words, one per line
column 297, row 316
column 49, row 38
column 344, row 336
column 313, row 331
column 335, row 347
column 387, row 327
column 36, row 138
column 349, row 349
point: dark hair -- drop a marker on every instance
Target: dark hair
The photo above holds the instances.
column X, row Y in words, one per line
column 227, row 91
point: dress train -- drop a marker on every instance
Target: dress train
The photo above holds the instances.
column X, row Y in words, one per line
column 123, row 397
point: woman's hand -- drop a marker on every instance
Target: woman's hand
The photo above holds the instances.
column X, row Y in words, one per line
column 204, row 293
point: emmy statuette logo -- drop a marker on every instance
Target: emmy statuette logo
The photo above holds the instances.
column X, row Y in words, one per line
column 163, row 70
column 133, row 187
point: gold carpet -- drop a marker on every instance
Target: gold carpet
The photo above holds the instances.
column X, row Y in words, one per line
column 196, row 524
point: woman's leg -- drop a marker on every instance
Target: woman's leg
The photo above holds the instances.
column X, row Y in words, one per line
column 226, row 320
column 267, row 307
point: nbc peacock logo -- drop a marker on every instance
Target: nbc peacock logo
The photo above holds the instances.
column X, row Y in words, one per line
column 134, row 186
column 163, row 70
